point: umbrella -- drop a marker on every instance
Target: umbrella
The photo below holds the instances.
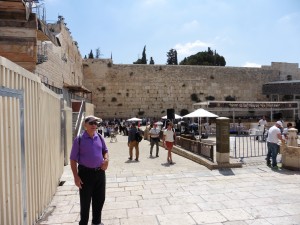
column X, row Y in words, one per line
column 134, row 119
column 159, row 123
column 176, row 117
column 199, row 113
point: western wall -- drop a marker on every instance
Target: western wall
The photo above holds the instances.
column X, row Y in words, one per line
column 123, row 91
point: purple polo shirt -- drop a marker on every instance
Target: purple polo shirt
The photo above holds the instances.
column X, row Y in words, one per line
column 90, row 153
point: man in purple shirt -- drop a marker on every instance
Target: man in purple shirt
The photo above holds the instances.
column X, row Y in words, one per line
column 90, row 153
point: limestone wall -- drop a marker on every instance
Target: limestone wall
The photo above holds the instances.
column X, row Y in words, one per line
column 286, row 69
column 64, row 63
column 124, row 91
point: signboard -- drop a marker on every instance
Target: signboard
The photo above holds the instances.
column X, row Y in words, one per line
column 254, row 105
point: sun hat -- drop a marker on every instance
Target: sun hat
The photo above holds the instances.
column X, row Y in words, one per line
column 91, row 118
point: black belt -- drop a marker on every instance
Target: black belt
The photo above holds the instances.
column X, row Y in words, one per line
column 81, row 167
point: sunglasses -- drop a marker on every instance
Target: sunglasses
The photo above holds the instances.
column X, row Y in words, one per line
column 93, row 123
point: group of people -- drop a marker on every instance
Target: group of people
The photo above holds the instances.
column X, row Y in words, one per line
column 89, row 159
column 276, row 133
column 169, row 138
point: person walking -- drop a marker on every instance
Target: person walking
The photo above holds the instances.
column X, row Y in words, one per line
column 274, row 135
column 169, row 139
column 132, row 142
column 262, row 125
column 146, row 131
column 89, row 160
column 154, row 139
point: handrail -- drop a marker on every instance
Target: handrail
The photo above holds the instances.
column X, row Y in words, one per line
column 78, row 124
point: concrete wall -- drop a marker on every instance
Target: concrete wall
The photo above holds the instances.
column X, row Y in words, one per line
column 124, row 91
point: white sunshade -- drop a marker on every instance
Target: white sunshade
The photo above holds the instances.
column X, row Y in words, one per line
column 134, row 119
column 176, row 117
column 201, row 113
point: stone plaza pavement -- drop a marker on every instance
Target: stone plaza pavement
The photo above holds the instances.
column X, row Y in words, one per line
column 152, row 192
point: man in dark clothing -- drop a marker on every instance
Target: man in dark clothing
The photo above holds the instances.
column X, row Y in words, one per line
column 132, row 142
column 297, row 124
column 89, row 151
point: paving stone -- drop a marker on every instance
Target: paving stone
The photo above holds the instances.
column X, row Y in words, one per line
column 153, row 192
column 176, row 219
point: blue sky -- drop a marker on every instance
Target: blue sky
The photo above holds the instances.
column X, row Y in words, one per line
column 246, row 32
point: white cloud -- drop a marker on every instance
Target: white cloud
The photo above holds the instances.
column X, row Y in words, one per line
column 249, row 64
column 190, row 26
column 288, row 18
column 190, row 48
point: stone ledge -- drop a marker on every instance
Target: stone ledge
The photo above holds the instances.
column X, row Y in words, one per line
column 203, row 161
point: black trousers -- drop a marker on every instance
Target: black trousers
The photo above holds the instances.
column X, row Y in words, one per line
column 93, row 189
column 154, row 141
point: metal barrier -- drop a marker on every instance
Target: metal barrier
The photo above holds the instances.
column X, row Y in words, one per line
column 197, row 147
column 248, row 146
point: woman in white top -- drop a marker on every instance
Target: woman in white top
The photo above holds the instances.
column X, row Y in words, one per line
column 169, row 140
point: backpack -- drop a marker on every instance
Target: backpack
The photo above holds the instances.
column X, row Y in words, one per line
column 138, row 136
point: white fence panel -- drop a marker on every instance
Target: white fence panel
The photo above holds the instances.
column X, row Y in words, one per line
column 31, row 157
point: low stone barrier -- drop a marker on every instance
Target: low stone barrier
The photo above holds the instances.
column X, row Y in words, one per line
column 291, row 151
column 290, row 157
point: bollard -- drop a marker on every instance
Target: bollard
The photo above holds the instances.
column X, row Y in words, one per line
column 292, row 137
column 222, row 139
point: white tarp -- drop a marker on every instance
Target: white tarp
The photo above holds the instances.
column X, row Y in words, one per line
column 176, row 117
column 134, row 119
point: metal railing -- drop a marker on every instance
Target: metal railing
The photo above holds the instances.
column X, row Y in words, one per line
column 79, row 120
column 244, row 146
column 204, row 149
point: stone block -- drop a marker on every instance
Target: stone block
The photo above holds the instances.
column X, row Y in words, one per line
column 290, row 157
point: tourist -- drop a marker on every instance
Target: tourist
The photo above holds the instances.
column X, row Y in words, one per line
column 262, row 124
column 169, row 139
column 90, row 153
column 154, row 139
column 274, row 135
column 297, row 125
column 286, row 130
column 132, row 142
column 146, row 131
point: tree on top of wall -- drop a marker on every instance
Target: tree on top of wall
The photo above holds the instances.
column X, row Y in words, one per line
column 151, row 61
column 206, row 58
column 91, row 55
column 143, row 60
column 98, row 53
column 172, row 57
